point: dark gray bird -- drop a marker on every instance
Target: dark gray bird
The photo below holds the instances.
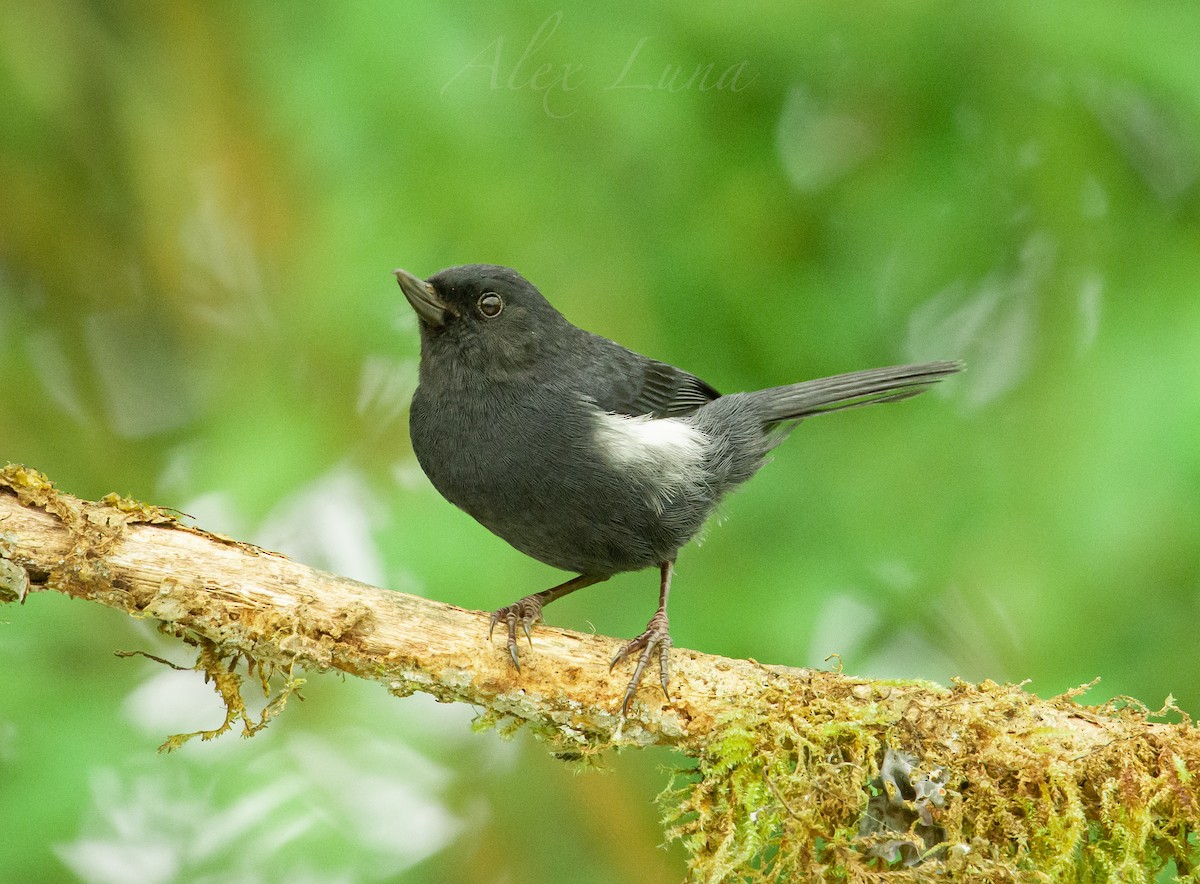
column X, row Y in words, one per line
column 583, row 454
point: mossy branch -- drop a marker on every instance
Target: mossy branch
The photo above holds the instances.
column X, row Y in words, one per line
column 801, row 774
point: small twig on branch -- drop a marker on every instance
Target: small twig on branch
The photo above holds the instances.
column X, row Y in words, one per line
column 799, row 770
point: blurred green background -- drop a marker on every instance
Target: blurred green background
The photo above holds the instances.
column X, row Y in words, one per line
column 200, row 204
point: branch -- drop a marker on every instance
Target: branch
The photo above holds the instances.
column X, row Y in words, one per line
column 799, row 770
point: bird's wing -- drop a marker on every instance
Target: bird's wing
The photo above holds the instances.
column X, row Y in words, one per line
column 656, row 388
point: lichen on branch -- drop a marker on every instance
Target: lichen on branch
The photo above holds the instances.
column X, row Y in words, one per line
column 799, row 775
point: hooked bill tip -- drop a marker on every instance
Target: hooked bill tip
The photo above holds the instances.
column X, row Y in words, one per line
column 423, row 299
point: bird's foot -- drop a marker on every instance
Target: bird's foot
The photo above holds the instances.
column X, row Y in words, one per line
column 656, row 640
column 526, row 612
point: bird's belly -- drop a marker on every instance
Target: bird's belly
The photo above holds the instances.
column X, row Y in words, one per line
column 550, row 490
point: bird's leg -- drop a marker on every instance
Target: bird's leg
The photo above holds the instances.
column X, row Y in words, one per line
column 528, row 611
column 655, row 640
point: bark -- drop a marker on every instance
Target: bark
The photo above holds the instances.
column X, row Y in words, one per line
column 977, row 778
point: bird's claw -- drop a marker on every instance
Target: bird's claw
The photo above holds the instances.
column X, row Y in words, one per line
column 656, row 640
column 526, row 612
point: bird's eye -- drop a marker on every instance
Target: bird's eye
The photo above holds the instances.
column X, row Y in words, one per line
column 490, row 305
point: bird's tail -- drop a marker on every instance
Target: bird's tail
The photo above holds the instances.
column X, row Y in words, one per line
column 796, row 401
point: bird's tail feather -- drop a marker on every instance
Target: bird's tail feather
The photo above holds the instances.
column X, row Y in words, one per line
column 796, row 401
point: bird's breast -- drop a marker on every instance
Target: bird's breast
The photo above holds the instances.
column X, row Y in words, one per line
column 564, row 481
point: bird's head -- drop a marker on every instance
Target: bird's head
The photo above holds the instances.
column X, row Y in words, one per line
column 482, row 316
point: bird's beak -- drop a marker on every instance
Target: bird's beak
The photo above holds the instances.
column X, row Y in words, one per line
column 422, row 298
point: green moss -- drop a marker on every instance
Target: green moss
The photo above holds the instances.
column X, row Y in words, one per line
column 219, row 670
column 816, row 777
column 795, row 792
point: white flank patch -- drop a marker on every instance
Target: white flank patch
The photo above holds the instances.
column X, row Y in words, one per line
column 666, row 453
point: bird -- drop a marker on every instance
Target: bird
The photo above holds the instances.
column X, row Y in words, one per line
column 586, row 455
